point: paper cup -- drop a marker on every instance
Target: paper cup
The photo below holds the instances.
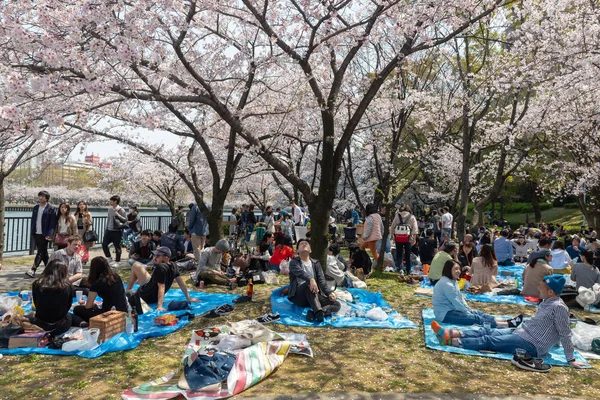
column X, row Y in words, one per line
column 79, row 295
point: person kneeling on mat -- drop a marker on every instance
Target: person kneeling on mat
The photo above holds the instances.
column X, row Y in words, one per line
column 153, row 287
column 308, row 287
column 549, row 326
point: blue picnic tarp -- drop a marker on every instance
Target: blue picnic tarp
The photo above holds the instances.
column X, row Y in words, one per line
column 146, row 327
column 555, row 357
column 291, row 314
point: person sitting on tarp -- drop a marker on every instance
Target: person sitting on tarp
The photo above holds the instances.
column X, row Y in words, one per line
column 535, row 271
column 547, row 328
column 153, row 287
column 308, row 287
column 449, row 252
column 209, row 266
column 450, row 306
column 141, row 250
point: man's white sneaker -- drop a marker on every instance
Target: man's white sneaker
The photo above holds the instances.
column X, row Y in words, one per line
column 30, row 273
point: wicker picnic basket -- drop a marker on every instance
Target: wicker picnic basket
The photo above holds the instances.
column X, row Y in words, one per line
column 110, row 323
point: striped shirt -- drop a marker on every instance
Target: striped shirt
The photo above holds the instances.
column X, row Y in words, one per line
column 549, row 326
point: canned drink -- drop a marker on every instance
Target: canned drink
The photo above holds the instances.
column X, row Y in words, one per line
column 201, row 284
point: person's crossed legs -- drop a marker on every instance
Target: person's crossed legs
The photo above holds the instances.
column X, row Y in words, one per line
column 138, row 275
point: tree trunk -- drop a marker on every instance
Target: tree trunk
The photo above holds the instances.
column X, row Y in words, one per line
column 386, row 233
column 215, row 223
column 319, row 229
column 535, row 201
column 477, row 219
column 1, row 219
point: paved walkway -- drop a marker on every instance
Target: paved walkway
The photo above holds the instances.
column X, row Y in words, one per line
column 12, row 275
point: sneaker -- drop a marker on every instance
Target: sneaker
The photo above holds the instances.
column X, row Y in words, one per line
column 243, row 299
column 193, row 278
column 319, row 316
column 516, row 321
column 265, row 319
column 310, row 316
column 30, row 273
column 528, row 363
column 109, row 260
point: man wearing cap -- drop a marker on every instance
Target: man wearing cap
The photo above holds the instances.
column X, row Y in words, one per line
column 538, row 335
column 153, row 287
column 209, row 266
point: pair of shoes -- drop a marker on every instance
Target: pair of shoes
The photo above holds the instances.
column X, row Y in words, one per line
column 220, row 311
column 528, row 363
column 30, row 273
column 265, row 319
column 310, row 316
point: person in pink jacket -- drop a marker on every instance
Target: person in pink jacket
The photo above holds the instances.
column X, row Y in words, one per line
column 373, row 230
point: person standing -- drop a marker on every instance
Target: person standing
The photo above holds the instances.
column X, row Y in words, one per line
column 43, row 222
column 447, row 220
column 181, row 218
column 84, row 222
column 66, row 226
column 117, row 221
column 297, row 213
column 405, row 217
column 198, row 227
column 373, row 230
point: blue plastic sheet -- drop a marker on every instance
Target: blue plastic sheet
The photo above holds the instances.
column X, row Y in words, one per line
column 146, row 327
column 293, row 315
column 555, row 357
column 516, row 270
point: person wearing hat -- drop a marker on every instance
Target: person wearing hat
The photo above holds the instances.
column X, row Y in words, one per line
column 535, row 271
column 209, row 266
column 538, row 335
column 153, row 287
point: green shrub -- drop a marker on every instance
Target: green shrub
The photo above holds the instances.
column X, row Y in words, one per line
column 571, row 205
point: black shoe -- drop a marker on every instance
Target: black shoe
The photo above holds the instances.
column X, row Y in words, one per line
column 516, row 321
column 310, row 316
column 265, row 319
column 319, row 316
column 528, row 363
column 220, row 311
column 243, row 299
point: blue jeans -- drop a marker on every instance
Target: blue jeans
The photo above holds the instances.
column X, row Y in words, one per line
column 275, row 267
column 499, row 340
column 126, row 233
column 474, row 317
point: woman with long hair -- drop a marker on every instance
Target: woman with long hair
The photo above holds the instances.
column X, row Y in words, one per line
column 534, row 273
column 485, row 267
column 450, row 306
column 465, row 255
column 52, row 296
column 66, row 226
column 105, row 283
column 84, row 222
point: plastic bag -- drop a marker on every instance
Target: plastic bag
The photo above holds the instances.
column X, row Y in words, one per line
column 583, row 334
column 7, row 303
column 233, row 342
column 377, row 314
column 89, row 341
column 359, row 284
column 344, row 308
column 284, row 267
column 271, row 278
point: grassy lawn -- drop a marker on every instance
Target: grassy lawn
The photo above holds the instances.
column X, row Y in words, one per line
column 348, row 360
column 565, row 216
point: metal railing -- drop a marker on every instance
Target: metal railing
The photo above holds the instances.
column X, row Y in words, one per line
column 17, row 231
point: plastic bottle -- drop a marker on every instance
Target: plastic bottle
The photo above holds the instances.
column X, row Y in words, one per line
column 128, row 320
column 517, row 282
column 250, row 290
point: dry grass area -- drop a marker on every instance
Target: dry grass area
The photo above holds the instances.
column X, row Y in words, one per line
column 346, row 360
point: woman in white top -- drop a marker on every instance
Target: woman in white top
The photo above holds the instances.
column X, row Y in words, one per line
column 560, row 258
column 269, row 221
column 521, row 248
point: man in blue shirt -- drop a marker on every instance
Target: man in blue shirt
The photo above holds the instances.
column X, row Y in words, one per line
column 504, row 249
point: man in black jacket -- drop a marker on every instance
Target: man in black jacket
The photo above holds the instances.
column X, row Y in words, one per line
column 308, row 287
column 43, row 222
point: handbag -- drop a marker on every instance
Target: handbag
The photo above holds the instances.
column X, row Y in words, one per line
column 61, row 240
column 90, row 236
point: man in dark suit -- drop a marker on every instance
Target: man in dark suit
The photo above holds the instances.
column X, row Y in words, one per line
column 308, row 287
column 43, row 222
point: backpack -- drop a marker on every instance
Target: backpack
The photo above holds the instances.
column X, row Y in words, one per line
column 402, row 231
column 174, row 224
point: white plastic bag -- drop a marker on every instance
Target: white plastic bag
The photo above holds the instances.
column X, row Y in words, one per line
column 284, row 267
column 359, row 284
column 377, row 314
column 7, row 303
column 233, row 342
column 271, row 278
column 583, row 334
column 89, row 341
